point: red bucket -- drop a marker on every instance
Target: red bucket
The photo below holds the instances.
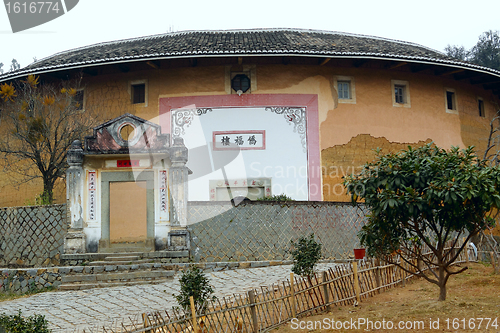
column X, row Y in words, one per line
column 359, row 253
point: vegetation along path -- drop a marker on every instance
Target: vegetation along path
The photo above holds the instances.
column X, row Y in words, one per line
column 69, row 310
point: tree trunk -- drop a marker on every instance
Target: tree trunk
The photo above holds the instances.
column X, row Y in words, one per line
column 442, row 293
column 47, row 196
column 442, row 284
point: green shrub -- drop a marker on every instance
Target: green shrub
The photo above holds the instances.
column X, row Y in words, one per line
column 306, row 253
column 279, row 197
column 18, row 324
column 194, row 283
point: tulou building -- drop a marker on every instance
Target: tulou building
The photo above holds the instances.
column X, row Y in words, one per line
column 220, row 115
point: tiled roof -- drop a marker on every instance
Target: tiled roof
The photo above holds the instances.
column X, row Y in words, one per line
column 239, row 43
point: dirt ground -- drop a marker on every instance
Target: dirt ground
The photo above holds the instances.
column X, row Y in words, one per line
column 471, row 295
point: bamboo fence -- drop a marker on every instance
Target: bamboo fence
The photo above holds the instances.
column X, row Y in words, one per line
column 268, row 307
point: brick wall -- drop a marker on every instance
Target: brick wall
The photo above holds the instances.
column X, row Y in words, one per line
column 341, row 160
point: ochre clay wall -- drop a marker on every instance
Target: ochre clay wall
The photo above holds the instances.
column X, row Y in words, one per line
column 348, row 132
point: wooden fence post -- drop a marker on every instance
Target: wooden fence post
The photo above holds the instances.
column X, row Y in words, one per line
column 145, row 321
column 403, row 274
column 377, row 274
column 193, row 314
column 253, row 311
column 493, row 261
column 326, row 291
column 356, row 280
column 292, row 295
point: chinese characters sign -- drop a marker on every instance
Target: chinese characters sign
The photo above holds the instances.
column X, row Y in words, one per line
column 244, row 140
column 163, row 191
column 92, row 178
column 127, row 163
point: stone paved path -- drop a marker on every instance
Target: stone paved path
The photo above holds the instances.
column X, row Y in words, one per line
column 70, row 310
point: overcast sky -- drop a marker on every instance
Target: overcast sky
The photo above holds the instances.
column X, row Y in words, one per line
column 434, row 24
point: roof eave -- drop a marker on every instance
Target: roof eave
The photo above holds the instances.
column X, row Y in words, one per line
column 341, row 55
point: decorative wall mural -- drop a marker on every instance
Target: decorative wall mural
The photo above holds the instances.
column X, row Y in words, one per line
column 183, row 118
column 295, row 116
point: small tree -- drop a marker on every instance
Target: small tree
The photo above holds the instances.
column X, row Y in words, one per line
column 420, row 200
column 39, row 123
column 19, row 324
column 306, row 253
column 194, row 283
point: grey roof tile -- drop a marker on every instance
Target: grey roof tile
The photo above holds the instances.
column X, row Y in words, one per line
column 241, row 42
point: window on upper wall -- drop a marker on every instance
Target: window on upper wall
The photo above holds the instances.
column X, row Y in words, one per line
column 480, row 105
column 240, row 79
column 451, row 100
column 400, row 93
column 240, row 83
column 345, row 87
column 139, row 92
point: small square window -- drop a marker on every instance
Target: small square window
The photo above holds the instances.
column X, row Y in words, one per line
column 344, row 89
column 138, row 93
column 400, row 93
column 451, row 100
column 480, row 105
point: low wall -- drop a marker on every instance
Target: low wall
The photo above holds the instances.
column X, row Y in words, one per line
column 255, row 231
column 262, row 230
column 32, row 236
column 23, row 280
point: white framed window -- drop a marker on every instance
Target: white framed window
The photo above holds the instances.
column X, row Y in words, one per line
column 138, row 91
column 480, row 106
column 346, row 89
column 400, row 93
column 450, row 98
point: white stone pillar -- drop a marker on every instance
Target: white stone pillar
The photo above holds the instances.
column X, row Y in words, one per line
column 74, row 241
column 178, row 183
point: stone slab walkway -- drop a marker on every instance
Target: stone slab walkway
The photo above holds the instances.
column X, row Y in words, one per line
column 68, row 311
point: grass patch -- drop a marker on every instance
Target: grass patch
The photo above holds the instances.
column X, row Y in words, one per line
column 8, row 296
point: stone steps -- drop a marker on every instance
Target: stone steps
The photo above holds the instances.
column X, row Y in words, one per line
column 118, row 269
column 123, row 257
column 116, row 276
column 123, row 262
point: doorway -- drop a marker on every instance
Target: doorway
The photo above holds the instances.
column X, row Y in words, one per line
column 127, row 212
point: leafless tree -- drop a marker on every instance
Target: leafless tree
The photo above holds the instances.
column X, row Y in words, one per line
column 38, row 124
